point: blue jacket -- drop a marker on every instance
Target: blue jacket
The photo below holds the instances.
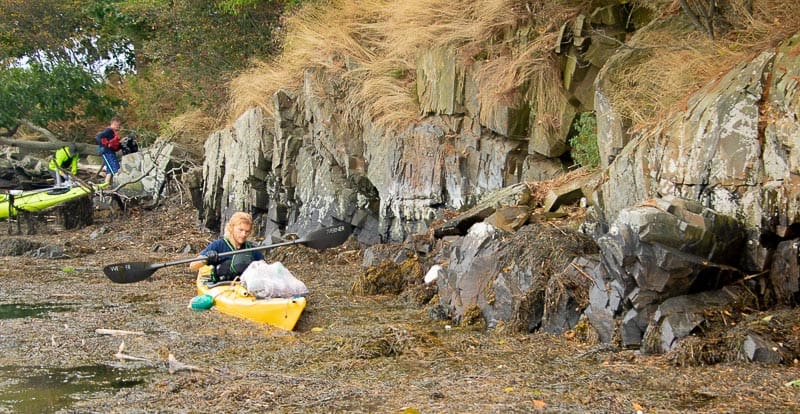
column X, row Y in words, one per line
column 223, row 245
column 107, row 141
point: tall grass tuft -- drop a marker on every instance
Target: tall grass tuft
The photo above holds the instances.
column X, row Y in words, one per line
column 671, row 65
column 373, row 45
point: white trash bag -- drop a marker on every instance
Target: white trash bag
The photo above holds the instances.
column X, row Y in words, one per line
column 272, row 280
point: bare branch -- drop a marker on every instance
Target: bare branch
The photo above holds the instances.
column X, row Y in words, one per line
column 44, row 131
column 707, row 15
column 177, row 366
column 121, row 355
column 9, row 131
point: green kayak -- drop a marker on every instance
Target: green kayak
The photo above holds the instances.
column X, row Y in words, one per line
column 37, row 200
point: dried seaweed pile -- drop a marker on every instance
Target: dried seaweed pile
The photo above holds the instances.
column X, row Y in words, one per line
column 723, row 332
column 548, row 251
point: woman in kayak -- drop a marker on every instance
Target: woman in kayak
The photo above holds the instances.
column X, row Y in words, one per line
column 237, row 231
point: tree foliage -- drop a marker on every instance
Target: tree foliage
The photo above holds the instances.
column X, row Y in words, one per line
column 31, row 25
column 186, row 50
column 42, row 94
column 583, row 143
column 182, row 53
column 49, row 54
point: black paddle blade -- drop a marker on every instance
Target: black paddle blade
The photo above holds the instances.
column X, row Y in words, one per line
column 328, row 236
column 130, row 272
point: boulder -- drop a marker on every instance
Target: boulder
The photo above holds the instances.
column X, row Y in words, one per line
column 664, row 249
column 143, row 174
column 12, row 246
column 784, row 275
column 570, row 191
column 679, row 316
column 514, row 196
column 759, row 349
column 543, row 285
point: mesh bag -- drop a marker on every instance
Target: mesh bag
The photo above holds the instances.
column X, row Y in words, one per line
column 272, row 281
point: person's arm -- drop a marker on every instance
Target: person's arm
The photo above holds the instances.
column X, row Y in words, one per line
column 258, row 255
column 75, row 165
column 104, row 137
column 215, row 246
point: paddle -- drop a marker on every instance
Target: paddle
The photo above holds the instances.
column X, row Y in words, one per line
column 319, row 239
column 83, row 184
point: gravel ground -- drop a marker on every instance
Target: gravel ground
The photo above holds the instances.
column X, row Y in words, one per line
column 347, row 354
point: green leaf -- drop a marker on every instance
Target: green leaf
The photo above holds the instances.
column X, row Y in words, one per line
column 585, row 151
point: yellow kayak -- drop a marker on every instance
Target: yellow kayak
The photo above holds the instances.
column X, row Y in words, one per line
column 38, row 200
column 233, row 299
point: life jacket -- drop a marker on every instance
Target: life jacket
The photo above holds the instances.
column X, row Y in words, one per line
column 112, row 144
column 56, row 162
column 67, row 162
column 230, row 269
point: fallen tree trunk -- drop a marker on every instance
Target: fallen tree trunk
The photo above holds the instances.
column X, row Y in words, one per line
column 48, row 145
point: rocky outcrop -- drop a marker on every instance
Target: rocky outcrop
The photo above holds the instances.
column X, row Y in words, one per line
column 728, row 162
column 660, row 250
column 715, row 153
column 312, row 160
column 686, row 211
column 680, row 213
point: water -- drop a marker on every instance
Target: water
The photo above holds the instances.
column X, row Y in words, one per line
column 32, row 310
column 47, row 390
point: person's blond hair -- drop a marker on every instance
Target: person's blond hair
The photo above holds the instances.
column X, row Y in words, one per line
column 236, row 219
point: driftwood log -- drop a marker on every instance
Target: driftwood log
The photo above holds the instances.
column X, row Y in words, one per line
column 177, row 366
column 121, row 355
column 116, row 332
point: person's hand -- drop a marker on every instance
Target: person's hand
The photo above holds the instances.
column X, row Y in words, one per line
column 212, row 257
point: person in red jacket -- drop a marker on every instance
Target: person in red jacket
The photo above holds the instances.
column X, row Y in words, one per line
column 108, row 143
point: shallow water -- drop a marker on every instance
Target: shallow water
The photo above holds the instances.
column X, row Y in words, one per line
column 46, row 390
column 33, row 310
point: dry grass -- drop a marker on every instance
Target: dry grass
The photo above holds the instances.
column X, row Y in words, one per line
column 317, row 36
column 672, row 64
column 661, row 78
column 374, row 44
column 192, row 127
column 386, row 87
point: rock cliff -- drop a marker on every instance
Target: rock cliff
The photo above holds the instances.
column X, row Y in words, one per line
column 680, row 211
